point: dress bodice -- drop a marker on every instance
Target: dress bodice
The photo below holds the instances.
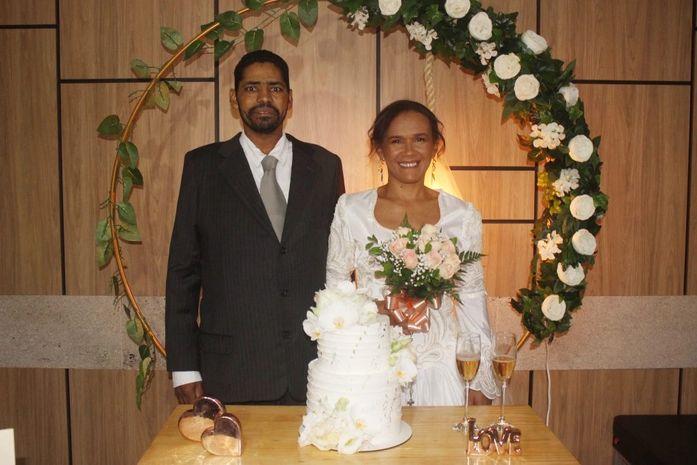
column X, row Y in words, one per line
column 437, row 382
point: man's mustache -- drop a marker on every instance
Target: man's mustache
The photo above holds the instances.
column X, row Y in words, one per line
column 264, row 106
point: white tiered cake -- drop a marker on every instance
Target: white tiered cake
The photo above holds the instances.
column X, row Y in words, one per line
column 353, row 388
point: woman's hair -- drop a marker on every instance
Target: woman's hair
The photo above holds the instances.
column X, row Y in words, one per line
column 390, row 112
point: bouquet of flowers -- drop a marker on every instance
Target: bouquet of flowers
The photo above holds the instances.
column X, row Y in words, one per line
column 422, row 264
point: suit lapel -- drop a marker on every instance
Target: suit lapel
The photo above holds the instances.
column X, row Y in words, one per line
column 302, row 185
column 236, row 170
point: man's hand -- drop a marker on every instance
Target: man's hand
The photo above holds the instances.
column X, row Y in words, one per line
column 188, row 393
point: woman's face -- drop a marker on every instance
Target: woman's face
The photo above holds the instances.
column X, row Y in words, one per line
column 408, row 147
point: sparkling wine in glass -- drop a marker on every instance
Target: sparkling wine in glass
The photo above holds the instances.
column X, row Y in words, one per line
column 503, row 364
column 467, row 355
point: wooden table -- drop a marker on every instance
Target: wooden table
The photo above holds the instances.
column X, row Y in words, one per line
column 270, row 436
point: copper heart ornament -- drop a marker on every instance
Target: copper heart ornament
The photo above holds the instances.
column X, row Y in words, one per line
column 202, row 416
column 224, row 437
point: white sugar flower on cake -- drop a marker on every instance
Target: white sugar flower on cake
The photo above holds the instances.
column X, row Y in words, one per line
column 339, row 307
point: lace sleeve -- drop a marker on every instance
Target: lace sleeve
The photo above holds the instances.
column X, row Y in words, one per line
column 471, row 313
column 340, row 258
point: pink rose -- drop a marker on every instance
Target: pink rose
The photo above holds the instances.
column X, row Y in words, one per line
column 410, row 259
column 433, row 259
column 447, row 270
column 398, row 245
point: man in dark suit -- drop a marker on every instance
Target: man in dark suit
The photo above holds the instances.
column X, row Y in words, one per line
column 249, row 249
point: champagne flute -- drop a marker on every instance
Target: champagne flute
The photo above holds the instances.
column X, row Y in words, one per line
column 503, row 363
column 467, row 355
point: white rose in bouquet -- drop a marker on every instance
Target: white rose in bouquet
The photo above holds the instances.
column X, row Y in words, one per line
column 526, row 87
column 457, row 8
column 480, row 26
column 389, row 7
column 554, row 307
column 582, row 207
column 449, row 267
column 535, row 42
column 507, row 66
column 580, row 148
column 570, row 94
column 583, row 242
column 572, row 275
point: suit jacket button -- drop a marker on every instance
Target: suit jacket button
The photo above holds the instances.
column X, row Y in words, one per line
column 284, row 250
column 284, row 292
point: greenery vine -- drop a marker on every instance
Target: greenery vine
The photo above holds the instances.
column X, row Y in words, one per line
column 535, row 89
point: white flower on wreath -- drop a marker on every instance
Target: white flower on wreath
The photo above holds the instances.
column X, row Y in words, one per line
column 582, row 207
column 554, row 307
column 526, row 87
column 480, row 26
column 549, row 246
column 568, row 181
column 490, row 87
column 547, row 136
column 418, row 32
column 535, row 42
column 507, row 66
column 389, row 7
column 572, row 275
column 583, row 242
column 580, row 148
column 486, row 51
column 457, row 8
column 359, row 19
column 570, row 94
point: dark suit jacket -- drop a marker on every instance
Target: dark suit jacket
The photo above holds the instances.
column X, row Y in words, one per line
column 249, row 344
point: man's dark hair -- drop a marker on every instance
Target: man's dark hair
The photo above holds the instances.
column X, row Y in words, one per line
column 261, row 56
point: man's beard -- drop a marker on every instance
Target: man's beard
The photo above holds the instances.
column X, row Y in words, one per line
column 266, row 124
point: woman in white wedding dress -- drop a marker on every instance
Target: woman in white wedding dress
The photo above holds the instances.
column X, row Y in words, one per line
column 407, row 136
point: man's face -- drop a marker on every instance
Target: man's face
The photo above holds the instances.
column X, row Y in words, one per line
column 262, row 99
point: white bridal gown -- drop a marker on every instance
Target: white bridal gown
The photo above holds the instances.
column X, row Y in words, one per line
column 437, row 381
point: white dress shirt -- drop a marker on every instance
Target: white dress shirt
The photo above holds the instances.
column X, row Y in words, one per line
column 283, row 151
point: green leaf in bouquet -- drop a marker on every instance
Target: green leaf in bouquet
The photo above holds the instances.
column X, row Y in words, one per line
column 290, row 26
column 254, row 4
column 126, row 212
column 307, row 11
column 160, row 95
column 140, row 68
column 253, row 39
column 375, row 251
column 175, row 85
column 171, row 38
column 195, row 47
column 110, row 126
column 135, row 331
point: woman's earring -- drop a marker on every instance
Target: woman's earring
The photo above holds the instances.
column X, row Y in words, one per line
column 433, row 170
column 381, row 168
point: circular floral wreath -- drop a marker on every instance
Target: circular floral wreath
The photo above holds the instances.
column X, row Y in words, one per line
column 535, row 88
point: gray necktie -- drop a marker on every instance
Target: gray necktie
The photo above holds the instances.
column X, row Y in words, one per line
column 272, row 195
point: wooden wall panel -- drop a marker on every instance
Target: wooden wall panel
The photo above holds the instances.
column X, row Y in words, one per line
column 35, row 406
column 29, row 204
column 99, row 40
column 645, row 154
column 332, row 74
column 691, row 287
column 472, row 120
column 28, row 12
column 499, row 195
column 107, row 427
column 508, row 250
column 622, row 39
column 688, row 392
column 584, row 404
column 162, row 139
